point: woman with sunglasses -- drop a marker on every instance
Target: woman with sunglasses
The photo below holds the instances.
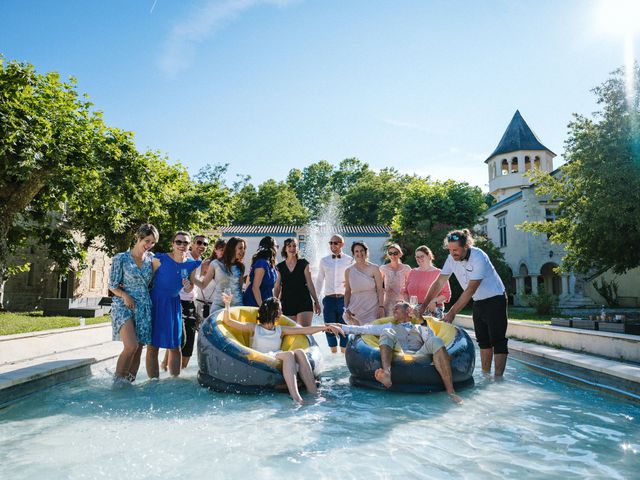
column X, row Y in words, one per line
column 394, row 277
column 420, row 279
column 173, row 272
column 264, row 275
column 295, row 287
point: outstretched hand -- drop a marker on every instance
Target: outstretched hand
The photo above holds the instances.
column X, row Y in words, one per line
column 335, row 328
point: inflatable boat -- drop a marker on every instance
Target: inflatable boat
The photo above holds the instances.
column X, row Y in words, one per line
column 409, row 372
column 227, row 364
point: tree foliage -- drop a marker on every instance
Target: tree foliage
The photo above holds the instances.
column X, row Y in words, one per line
column 272, row 203
column 598, row 189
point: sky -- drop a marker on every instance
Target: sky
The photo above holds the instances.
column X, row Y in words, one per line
column 427, row 87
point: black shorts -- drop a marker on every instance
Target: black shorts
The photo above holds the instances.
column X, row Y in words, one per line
column 189, row 327
column 490, row 323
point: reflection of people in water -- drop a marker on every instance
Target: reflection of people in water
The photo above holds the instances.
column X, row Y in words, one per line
column 403, row 335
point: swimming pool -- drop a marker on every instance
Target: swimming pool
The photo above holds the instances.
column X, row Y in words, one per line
column 528, row 426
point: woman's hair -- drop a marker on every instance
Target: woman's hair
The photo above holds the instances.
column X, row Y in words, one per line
column 220, row 243
column 396, row 246
column 287, row 242
column 266, row 250
column 463, row 237
column 269, row 311
column 186, row 234
column 145, row 230
column 229, row 255
column 362, row 244
column 426, row 250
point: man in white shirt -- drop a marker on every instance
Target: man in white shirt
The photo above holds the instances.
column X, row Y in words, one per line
column 331, row 278
column 406, row 336
column 480, row 281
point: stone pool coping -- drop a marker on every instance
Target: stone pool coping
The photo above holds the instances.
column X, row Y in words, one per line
column 35, row 361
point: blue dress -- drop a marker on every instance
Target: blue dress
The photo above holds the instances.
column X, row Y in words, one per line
column 126, row 275
column 165, row 297
column 266, row 287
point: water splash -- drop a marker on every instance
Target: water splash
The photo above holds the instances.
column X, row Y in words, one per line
column 319, row 232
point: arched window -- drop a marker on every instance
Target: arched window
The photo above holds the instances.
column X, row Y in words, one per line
column 527, row 164
column 536, row 162
column 505, row 166
column 514, row 165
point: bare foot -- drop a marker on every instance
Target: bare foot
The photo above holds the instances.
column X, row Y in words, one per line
column 455, row 398
column 383, row 377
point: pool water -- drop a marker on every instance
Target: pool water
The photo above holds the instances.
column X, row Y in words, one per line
column 527, row 426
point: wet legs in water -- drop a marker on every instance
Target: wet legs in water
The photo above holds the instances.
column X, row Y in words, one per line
column 499, row 361
column 129, row 360
column 289, row 362
column 174, row 361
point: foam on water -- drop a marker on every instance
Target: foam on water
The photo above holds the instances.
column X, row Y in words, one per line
column 528, row 426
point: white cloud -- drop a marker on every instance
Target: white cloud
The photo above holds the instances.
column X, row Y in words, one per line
column 201, row 23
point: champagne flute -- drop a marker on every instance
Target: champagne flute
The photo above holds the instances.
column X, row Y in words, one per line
column 413, row 302
column 226, row 295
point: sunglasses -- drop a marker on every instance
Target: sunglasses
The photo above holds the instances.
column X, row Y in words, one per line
column 454, row 237
column 202, row 242
column 181, row 242
column 334, row 243
column 395, row 254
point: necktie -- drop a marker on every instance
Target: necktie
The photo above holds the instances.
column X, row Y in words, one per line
column 335, row 256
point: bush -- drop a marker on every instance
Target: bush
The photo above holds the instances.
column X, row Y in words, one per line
column 608, row 291
column 543, row 302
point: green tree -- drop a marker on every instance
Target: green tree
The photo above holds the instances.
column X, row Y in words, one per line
column 598, row 189
column 312, row 185
column 47, row 132
column 349, row 172
column 273, row 203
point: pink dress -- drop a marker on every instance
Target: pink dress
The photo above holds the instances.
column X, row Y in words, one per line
column 393, row 285
column 364, row 297
column 419, row 282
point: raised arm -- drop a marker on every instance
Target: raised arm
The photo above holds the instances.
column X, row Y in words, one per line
column 229, row 322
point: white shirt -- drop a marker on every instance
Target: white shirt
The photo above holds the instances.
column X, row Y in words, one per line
column 331, row 274
column 476, row 267
column 189, row 296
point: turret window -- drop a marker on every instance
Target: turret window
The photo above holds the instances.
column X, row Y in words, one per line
column 514, row 165
column 527, row 164
column 505, row 167
column 536, row 162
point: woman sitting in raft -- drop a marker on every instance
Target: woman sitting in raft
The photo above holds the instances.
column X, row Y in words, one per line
column 267, row 338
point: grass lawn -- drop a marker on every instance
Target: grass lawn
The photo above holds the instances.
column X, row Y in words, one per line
column 525, row 316
column 24, row 322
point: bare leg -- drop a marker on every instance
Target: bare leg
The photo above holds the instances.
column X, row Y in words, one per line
column 442, row 363
column 500, row 362
column 304, row 369
column 486, row 356
column 175, row 360
column 304, row 319
column 135, row 364
column 153, row 370
column 383, row 375
column 335, row 350
column 165, row 361
column 130, row 346
column 289, row 374
column 342, row 350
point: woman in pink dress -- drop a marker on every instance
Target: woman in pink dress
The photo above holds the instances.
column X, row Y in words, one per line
column 363, row 294
column 420, row 279
column 394, row 277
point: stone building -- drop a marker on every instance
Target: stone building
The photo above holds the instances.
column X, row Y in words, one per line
column 533, row 258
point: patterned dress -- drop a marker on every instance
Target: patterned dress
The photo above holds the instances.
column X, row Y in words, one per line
column 126, row 275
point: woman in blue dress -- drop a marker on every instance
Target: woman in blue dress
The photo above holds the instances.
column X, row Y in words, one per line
column 130, row 277
column 264, row 274
column 173, row 272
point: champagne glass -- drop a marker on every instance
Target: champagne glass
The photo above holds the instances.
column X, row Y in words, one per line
column 413, row 301
column 226, row 295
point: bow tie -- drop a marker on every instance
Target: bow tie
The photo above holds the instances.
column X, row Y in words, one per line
column 335, row 256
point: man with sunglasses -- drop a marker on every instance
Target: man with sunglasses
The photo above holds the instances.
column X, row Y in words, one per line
column 331, row 277
column 480, row 281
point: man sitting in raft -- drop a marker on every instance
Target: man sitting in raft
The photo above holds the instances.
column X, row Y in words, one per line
column 410, row 338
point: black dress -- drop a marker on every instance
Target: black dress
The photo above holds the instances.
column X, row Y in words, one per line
column 295, row 296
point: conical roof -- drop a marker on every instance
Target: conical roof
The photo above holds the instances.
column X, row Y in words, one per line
column 518, row 136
